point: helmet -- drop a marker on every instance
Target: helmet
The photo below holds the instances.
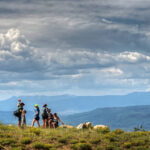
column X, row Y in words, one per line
column 36, row 105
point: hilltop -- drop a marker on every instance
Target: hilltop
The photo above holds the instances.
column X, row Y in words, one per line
column 14, row 138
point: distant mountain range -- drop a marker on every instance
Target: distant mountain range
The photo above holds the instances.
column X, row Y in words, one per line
column 67, row 104
column 126, row 118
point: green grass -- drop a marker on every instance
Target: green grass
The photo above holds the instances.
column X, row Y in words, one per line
column 27, row 138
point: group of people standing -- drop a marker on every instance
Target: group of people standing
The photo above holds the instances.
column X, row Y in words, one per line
column 49, row 120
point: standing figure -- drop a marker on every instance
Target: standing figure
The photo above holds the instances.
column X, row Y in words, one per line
column 50, row 118
column 56, row 120
column 19, row 110
column 44, row 115
column 24, row 117
column 36, row 115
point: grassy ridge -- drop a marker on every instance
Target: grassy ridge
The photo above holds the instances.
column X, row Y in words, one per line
column 14, row 138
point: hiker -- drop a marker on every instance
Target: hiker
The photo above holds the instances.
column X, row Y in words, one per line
column 24, row 117
column 36, row 115
column 44, row 115
column 19, row 111
column 56, row 120
column 50, row 118
column 19, row 102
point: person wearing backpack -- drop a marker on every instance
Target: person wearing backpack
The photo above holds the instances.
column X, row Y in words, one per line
column 18, row 112
column 44, row 115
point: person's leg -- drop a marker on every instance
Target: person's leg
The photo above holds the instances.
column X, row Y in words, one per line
column 33, row 122
column 45, row 123
column 54, row 125
column 38, row 123
column 49, row 123
column 19, row 121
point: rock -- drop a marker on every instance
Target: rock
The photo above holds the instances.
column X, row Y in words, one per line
column 89, row 125
column 101, row 127
column 81, row 126
column 67, row 126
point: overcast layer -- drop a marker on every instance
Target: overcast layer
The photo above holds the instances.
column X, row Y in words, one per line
column 86, row 47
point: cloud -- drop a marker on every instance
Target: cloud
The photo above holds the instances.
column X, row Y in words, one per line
column 74, row 47
column 17, row 55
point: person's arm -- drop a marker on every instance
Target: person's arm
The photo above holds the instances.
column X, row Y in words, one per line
column 60, row 120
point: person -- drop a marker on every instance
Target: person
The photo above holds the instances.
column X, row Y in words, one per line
column 44, row 115
column 19, row 102
column 24, row 117
column 36, row 115
column 20, row 109
column 56, row 120
column 50, row 118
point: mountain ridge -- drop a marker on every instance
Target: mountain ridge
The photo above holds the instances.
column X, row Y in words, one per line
column 66, row 104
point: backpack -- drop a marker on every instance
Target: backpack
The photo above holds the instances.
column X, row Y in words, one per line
column 44, row 112
column 16, row 113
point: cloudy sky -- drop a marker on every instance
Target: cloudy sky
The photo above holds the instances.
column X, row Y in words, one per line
column 77, row 47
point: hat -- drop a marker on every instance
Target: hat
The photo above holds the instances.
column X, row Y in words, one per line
column 22, row 104
column 36, row 105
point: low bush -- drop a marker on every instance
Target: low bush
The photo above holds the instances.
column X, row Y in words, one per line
column 118, row 131
column 7, row 141
column 17, row 148
column 82, row 141
column 63, row 140
column 138, row 142
column 95, row 141
column 41, row 146
column 26, row 140
column 103, row 130
column 127, row 145
column 81, row 146
column 35, row 131
column 74, row 141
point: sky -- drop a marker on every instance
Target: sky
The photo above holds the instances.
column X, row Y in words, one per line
column 75, row 47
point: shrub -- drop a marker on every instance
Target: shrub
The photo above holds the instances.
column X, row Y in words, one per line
column 127, row 145
column 7, row 141
column 82, row 141
column 62, row 140
column 81, row 146
column 74, row 141
column 111, row 147
column 53, row 149
column 95, row 141
column 118, row 131
column 141, row 148
column 100, row 148
column 103, row 130
column 26, row 140
column 39, row 145
column 58, row 145
column 35, row 131
column 112, row 137
column 17, row 148
column 138, row 142
column 48, row 146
